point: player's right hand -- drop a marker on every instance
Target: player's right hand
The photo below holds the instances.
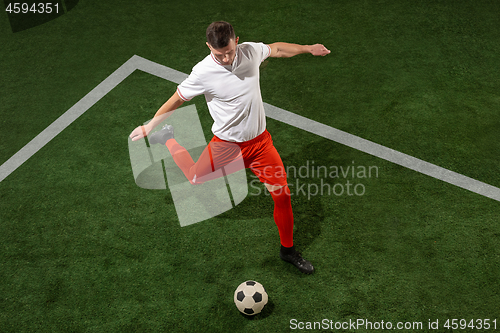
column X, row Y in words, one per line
column 319, row 50
column 139, row 133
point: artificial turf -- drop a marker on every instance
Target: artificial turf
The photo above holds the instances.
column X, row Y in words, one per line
column 83, row 249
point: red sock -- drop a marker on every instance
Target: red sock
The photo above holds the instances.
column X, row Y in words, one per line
column 283, row 215
column 181, row 157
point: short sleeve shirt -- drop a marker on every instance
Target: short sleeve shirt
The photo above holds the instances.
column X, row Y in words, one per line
column 232, row 92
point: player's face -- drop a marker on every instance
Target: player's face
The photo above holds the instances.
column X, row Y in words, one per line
column 227, row 54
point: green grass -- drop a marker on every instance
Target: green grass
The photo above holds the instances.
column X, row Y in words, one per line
column 83, row 249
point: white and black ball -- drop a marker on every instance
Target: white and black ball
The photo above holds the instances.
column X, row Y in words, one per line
column 250, row 297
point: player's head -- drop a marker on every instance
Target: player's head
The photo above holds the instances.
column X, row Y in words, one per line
column 222, row 41
column 219, row 34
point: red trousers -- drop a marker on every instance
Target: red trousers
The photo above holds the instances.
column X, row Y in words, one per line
column 258, row 154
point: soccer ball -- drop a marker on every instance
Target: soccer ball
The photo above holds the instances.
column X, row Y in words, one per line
column 250, row 297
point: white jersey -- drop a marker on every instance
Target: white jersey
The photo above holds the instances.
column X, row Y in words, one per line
column 232, row 92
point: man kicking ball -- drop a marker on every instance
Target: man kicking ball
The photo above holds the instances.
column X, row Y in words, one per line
column 229, row 79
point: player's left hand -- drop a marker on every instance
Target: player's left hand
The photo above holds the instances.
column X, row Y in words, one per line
column 139, row 133
column 319, row 50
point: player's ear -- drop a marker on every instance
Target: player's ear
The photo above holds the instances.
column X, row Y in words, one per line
column 236, row 41
column 209, row 46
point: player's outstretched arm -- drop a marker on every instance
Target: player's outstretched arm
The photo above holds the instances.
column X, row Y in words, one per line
column 163, row 112
column 287, row 50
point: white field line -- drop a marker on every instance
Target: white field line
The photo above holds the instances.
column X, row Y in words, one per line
column 136, row 62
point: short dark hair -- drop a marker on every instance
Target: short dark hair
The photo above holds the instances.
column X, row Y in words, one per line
column 219, row 34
